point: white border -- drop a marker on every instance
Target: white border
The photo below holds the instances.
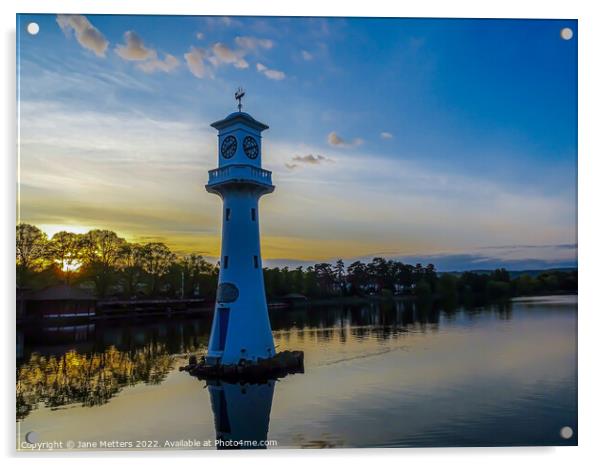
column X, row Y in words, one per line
column 590, row 194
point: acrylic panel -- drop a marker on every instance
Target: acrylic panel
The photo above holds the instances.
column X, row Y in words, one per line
column 295, row 232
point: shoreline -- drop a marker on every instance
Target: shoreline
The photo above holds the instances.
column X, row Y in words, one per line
column 135, row 314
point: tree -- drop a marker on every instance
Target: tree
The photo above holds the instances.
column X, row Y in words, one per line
column 339, row 273
column 65, row 249
column 325, row 277
column 129, row 263
column 156, row 262
column 100, row 252
column 31, row 249
column 310, row 285
column 357, row 275
column 500, row 275
column 195, row 270
column 447, row 287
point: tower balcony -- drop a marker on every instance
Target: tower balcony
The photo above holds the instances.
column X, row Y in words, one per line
column 240, row 174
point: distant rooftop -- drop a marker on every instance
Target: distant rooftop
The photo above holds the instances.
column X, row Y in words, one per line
column 61, row 293
column 239, row 117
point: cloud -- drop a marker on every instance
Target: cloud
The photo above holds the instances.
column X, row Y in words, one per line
column 306, row 55
column 167, row 65
column 253, row 43
column 86, row 34
column 200, row 35
column 308, row 159
column 200, row 60
column 312, row 159
column 223, row 54
column 195, row 61
column 461, row 262
column 335, row 140
column 270, row 73
column 227, row 21
column 134, row 49
column 386, row 135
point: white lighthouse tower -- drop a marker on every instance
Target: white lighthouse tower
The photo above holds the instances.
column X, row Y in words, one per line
column 241, row 324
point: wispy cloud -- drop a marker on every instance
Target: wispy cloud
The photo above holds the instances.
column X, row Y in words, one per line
column 253, row 43
column 306, row 55
column 386, row 135
column 167, row 65
column 270, row 73
column 337, row 141
column 79, row 167
column 308, row 159
column 86, row 34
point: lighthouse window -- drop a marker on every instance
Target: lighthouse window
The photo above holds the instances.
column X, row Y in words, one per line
column 225, row 262
column 256, row 261
column 227, row 213
column 253, row 214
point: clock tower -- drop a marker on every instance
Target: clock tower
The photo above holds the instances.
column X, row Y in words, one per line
column 241, row 325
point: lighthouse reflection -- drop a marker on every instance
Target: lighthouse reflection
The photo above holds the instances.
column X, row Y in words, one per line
column 241, row 412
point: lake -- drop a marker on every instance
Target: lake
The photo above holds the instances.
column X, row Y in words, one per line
column 376, row 375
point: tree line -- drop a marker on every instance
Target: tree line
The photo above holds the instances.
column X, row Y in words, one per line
column 113, row 266
column 110, row 265
column 387, row 278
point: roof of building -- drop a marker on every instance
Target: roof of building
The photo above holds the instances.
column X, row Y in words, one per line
column 240, row 117
column 61, row 293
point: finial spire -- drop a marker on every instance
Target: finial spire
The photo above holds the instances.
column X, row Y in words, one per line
column 238, row 95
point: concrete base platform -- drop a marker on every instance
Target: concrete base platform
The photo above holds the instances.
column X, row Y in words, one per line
column 284, row 363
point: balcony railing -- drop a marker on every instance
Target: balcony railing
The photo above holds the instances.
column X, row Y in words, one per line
column 238, row 173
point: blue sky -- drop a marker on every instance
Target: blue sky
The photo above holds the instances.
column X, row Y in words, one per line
column 444, row 140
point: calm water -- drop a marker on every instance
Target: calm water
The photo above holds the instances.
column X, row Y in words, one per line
column 389, row 375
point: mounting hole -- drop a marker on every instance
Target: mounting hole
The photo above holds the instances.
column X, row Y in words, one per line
column 31, row 437
column 566, row 432
column 33, row 28
column 566, row 33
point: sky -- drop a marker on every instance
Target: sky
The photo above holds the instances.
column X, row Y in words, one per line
column 425, row 140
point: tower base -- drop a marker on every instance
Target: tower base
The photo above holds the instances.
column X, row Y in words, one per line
column 284, row 363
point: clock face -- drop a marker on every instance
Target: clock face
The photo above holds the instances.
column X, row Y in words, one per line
column 250, row 147
column 228, row 147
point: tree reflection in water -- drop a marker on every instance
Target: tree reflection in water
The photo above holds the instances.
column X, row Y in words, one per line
column 89, row 379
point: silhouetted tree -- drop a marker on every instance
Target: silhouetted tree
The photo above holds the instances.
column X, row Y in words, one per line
column 156, row 262
column 101, row 251
column 65, row 249
column 31, row 250
column 129, row 263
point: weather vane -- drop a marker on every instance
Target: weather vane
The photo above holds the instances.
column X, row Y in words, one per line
column 238, row 95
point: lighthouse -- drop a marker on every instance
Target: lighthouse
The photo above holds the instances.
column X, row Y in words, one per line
column 241, row 330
